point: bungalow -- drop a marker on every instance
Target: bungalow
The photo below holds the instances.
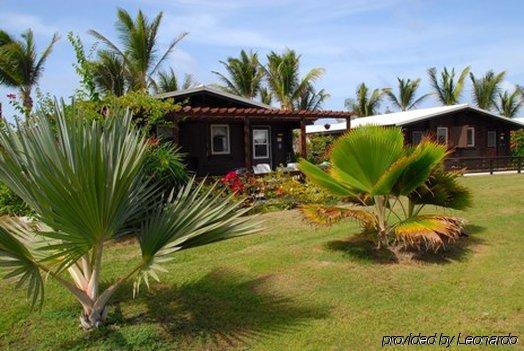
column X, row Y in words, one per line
column 220, row 132
column 479, row 139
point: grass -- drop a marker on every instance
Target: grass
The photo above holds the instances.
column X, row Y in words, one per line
column 299, row 287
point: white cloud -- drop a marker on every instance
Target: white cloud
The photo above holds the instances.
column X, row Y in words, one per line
column 20, row 21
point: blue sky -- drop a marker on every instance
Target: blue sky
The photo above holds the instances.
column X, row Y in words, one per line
column 355, row 41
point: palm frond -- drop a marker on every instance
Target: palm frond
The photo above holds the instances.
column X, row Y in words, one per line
column 429, row 232
column 18, row 260
column 322, row 214
column 193, row 217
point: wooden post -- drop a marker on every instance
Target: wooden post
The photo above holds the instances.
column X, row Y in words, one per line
column 176, row 133
column 303, row 151
column 247, row 145
column 348, row 124
column 519, row 164
column 490, row 166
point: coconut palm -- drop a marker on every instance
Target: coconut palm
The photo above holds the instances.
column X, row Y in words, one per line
column 311, row 99
column 448, row 89
column 366, row 105
column 283, row 77
column 109, row 73
column 406, row 99
column 86, row 184
column 266, row 97
column 244, row 74
column 139, row 47
column 168, row 81
column 373, row 165
column 486, row 89
column 509, row 103
column 21, row 66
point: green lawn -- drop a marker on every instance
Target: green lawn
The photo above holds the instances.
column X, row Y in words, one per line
column 298, row 287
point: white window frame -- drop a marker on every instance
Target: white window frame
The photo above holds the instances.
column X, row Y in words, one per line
column 268, row 144
column 413, row 136
column 228, row 139
column 493, row 132
column 447, row 134
column 473, row 137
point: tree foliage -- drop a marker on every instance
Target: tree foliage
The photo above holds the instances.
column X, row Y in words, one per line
column 486, row 89
column 448, row 88
column 366, row 104
column 406, row 98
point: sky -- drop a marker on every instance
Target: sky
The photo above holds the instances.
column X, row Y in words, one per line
column 354, row 40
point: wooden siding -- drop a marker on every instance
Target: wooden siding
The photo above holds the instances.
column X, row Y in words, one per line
column 457, row 124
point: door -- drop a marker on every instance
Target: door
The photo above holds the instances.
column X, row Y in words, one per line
column 261, row 144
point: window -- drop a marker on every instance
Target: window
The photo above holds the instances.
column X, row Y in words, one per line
column 416, row 137
column 442, row 135
column 492, row 138
column 219, row 139
column 470, row 137
column 260, row 143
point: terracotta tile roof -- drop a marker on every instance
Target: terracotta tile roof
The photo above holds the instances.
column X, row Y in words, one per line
column 240, row 112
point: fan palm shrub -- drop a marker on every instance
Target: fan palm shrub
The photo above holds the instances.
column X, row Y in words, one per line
column 406, row 98
column 366, row 104
column 372, row 164
column 486, row 89
column 21, row 66
column 509, row 103
column 448, row 88
column 284, row 80
column 85, row 182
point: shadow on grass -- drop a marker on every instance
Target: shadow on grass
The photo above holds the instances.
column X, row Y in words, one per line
column 363, row 250
column 218, row 311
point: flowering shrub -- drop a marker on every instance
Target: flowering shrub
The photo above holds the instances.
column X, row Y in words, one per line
column 233, row 182
column 275, row 191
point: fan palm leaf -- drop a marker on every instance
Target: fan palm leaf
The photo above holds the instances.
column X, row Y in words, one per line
column 428, row 231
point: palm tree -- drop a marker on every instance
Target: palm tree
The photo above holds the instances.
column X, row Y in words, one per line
column 447, row 89
column 139, row 47
column 109, row 73
column 311, row 99
column 372, row 166
column 283, row 77
column 366, row 105
column 244, row 74
column 168, row 81
column 86, row 184
column 510, row 104
column 407, row 89
column 21, row 66
column 486, row 88
column 266, row 96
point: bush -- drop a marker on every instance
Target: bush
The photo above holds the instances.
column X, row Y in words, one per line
column 11, row 204
column 318, row 148
column 517, row 142
column 164, row 165
column 276, row 191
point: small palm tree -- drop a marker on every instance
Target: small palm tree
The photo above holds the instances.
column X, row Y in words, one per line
column 371, row 165
column 168, row 81
column 486, row 89
column 20, row 65
column 86, row 183
column 509, row 104
column 366, row 105
column 311, row 99
column 244, row 74
column 283, row 77
column 448, row 90
column 139, row 47
column 406, row 99
column 109, row 73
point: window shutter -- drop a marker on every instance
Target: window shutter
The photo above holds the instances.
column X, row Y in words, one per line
column 463, row 137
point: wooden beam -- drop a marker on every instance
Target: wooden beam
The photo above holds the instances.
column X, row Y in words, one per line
column 247, row 145
column 303, row 151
